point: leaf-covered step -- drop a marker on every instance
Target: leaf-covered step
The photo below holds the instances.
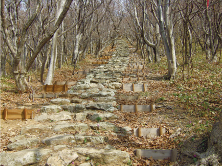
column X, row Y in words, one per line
column 137, row 108
column 157, row 154
column 149, row 132
column 134, row 87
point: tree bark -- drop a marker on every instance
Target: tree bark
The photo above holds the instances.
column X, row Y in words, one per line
column 3, row 62
column 52, row 65
column 168, row 38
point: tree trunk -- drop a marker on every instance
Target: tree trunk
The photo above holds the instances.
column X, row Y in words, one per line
column 3, row 62
column 21, row 82
column 50, row 74
column 156, row 55
column 45, row 60
column 168, row 38
column 76, row 51
column 98, row 47
column 60, row 61
column 17, row 49
column 155, row 49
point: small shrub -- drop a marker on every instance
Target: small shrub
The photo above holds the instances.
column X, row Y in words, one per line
column 98, row 119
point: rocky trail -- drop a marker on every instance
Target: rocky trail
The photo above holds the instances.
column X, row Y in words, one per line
column 105, row 119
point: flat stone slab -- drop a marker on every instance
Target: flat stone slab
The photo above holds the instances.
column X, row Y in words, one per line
column 67, row 127
column 23, row 157
column 76, row 100
column 81, row 116
column 103, row 116
column 51, row 108
column 103, row 99
column 92, row 139
column 59, row 139
column 25, row 143
column 137, row 108
column 61, row 116
column 100, row 106
column 110, row 157
column 134, row 87
column 60, row 101
column 104, row 126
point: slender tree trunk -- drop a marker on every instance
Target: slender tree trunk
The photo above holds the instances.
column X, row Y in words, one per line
column 45, row 60
column 50, row 74
column 156, row 48
column 168, row 38
column 17, row 48
column 52, row 65
column 76, row 51
column 60, row 61
column 3, row 62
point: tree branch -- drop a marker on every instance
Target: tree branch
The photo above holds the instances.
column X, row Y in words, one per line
column 50, row 35
column 7, row 38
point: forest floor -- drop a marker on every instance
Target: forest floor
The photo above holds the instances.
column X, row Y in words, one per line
column 187, row 107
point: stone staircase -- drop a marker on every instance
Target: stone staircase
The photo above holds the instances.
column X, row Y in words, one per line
column 77, row 130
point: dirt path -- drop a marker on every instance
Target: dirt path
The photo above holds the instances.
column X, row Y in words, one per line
column 168, row 114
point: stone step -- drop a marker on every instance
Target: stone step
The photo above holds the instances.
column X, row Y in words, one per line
column 24, row 157
column 55, row 88
column 17, row 113
column 149, row 132
column 159, row 154
column 137, row 108
column 59, row 147
column 134, row 87
column 51, row 95
column 99, row 62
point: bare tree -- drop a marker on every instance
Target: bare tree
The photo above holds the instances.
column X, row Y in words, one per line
column 17, row 46
column 166, row 31
column 210, row 31
column 49, row 78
